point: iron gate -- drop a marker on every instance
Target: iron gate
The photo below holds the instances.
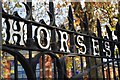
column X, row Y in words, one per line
column 96, row 66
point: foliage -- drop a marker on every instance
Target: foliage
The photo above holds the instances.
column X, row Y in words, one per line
column 106, row 12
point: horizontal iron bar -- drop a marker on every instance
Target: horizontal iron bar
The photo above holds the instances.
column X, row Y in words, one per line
column 58, row 52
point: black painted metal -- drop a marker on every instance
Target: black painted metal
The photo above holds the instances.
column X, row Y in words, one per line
column 100, row 45
column 118, row 66
column 16, row 67
column 25, row 64
column 96, row 69
column 29, row 65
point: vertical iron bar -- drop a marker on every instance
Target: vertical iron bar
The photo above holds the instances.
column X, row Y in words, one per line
column 16, row 67
column 55, row 71
column 72, row 49
column 74, row 68
column 113, row 65
column 118, row 38
column 103, row 69
column 108, row 68
column 89, row 66
column 53, row 39
column 87, row 40
column 81, row 60
column 100, row 45
column 72, row 41
column 51, row 9
column 86, row 31
column 29, row 25
column 53, row 36
column 96, row 70
column 118, row 63
column 29, row 33
column 30, row 56
column 43, row 66
column 112, row 49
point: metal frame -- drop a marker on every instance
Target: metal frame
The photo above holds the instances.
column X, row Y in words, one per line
column 30, row 65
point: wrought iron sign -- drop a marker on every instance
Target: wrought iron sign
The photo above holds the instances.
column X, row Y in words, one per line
column 16, row 33
column 27, row 34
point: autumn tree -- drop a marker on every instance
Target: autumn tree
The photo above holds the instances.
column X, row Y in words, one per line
column 106, row 12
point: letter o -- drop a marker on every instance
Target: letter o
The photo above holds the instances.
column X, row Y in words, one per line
column 39, row 40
